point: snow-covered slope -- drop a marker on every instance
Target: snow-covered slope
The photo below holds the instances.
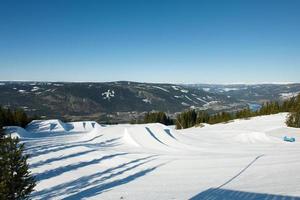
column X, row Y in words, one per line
column 244, row 159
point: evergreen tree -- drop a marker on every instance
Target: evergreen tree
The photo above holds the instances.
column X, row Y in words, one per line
column 21, row 118
column 16, row 182
column 157, row 117
column 186, row 119
column 245, row 113
column 293, row 119
column 202, row 117
column 13, row 118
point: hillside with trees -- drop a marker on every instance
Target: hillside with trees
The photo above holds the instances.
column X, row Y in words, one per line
column 293, row 119
column 191, row 118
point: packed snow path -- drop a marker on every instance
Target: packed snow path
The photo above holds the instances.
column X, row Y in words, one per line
column 244, row 159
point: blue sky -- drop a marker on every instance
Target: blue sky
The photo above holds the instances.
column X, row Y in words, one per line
column 249, row 41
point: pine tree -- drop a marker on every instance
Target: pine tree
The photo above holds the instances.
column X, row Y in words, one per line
column 16, row 181
column 202, row 117
column 21, row 118
column 186, row 119
column 157, row 117
column 293, row 119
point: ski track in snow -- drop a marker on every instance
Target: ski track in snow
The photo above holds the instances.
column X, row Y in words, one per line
column 244, row 159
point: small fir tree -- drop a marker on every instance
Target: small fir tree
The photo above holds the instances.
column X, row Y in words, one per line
column 16, row 181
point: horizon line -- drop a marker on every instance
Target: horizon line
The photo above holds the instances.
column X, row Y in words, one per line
column 180, row 83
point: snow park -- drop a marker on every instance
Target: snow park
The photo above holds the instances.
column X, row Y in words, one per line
column 149, row 100
column 243, row 159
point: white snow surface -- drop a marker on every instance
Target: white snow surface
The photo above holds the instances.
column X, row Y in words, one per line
column 289, row 95
column 108, row 94
column 35, row 88
column 146, row 100
column 244, row 159
column 161, row 88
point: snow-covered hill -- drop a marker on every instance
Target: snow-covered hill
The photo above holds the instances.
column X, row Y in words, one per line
column 244, row 159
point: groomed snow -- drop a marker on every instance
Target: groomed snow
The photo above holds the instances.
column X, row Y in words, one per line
column 244, row 159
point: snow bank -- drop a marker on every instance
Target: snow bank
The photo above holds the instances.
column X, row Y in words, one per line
column 16, row 131
column 154, row 137
column 83, row 126
column 53, row 125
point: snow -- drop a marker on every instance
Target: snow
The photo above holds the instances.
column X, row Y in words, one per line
column 230, row 89
column 188, row 98
column 147, row 101
column 185, row 104
column 108, row 94
column 209, row 97
column 243, row 159
column 58, row 85
column 22, row 91
column 16, row 131
column 288, row 95
column 184, row 91
column 206, row 89
column 202, row 100
column 35, row 88
column 210, row 103
column 175, row 87
column 163, row 89
column 42, row 126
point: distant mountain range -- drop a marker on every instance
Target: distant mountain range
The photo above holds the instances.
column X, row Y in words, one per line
column 255, row 93
column 122, row 101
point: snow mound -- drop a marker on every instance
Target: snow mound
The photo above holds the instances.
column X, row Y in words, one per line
column 83, row 126
column 153, row 136
column 255, row 137
column 57, row 126
column 128, row 139
column 53, row 125
column 16, row 131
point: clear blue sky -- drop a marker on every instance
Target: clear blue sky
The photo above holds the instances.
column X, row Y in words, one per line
column 150, row 41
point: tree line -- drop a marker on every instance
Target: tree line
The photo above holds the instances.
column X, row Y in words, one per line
column 16, row 117
column 293, row 119
column 191, row 118
column 154, row 117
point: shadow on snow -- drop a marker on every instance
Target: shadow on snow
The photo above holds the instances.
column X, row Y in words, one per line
column 60, row 170
column 226, row 194
column 46, row 149
column 97, row 183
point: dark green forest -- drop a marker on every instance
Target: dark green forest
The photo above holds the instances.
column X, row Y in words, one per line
column 16, row 117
